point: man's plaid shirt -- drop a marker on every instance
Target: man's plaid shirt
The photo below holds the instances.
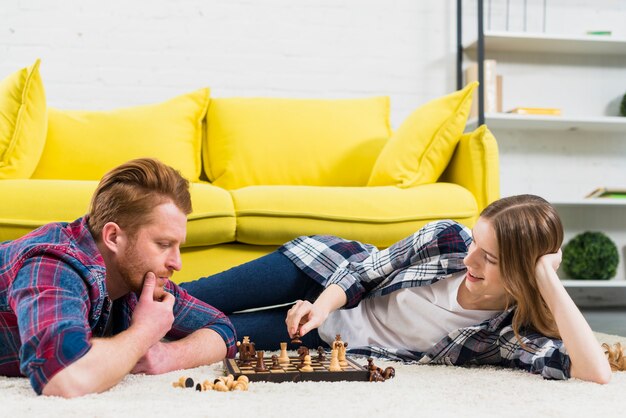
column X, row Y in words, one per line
column 433, row 253
column 53, row 301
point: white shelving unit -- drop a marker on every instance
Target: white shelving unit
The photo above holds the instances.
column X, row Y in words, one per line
column 563, row 44
column 497, row 121
column 529, row 133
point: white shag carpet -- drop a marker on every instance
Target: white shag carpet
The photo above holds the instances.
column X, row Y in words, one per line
column 427, row 391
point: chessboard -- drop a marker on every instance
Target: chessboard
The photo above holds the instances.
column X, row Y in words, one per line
column 291, row 372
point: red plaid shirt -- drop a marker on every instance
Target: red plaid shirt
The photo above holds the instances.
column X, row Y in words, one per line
column 53, row 300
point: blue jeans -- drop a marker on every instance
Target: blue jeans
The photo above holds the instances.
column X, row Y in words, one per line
column 267, row 281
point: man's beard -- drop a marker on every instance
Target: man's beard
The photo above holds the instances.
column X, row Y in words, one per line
column 131, row 270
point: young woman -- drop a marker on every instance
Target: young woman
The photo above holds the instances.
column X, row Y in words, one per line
column 444, row 295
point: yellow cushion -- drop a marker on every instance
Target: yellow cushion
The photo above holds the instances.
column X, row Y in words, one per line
column 212, row 221
column 213, row 218
column 420, row 149
column 83, row 145
column 475, row 166
column 269, row 141
column 272, row 215
column 23, row 122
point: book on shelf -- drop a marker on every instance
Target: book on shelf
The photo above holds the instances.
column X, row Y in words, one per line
column 536, row 111
column 493, row 87
column 608, row 192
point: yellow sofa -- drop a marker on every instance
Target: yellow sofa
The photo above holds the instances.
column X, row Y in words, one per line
column 262, row 170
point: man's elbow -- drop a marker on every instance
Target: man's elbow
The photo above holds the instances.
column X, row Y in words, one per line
column 64, row 384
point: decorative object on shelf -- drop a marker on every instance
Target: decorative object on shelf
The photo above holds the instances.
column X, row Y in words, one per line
column 591, row 256
column 536, row 111
column 607, row 192
column 493, row 87
column 525, row 17
column 622, row 108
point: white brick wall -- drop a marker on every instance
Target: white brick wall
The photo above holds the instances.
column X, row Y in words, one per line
column 106, row 54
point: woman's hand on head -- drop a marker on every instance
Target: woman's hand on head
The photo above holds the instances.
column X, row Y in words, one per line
column 304, row 316
column 551, row 260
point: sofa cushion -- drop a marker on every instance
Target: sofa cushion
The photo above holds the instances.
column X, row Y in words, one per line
column 420, row 149
column 272, row 215
column 83, row 145
column 213, row 218
column 268, row 141
column 212, row 221
column 23, row 122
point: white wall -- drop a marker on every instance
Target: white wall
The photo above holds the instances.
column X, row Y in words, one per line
column 106, row 54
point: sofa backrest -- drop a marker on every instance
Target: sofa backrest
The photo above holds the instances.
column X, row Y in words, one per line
column 84, row 145
column 271, row 141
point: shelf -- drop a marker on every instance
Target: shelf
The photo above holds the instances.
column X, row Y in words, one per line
column 594, row 202
column 594, row 283
column 539, row 42
column 597, row 293
column 553, row 123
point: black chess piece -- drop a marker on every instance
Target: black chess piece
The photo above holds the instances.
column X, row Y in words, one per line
column 296, row 338
column 260, row 362
column 321, row 354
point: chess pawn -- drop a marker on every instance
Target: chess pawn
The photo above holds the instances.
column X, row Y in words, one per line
column 334, row 361
column 275, row 363
column 307, row 364
column 283, row 358
column 320, row 354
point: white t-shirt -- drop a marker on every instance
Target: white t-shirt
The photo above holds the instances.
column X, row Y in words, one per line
column 414, row 318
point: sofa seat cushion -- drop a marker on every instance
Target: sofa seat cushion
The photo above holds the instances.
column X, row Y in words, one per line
column 213, row 218
column 272, row 215
column 38, row 202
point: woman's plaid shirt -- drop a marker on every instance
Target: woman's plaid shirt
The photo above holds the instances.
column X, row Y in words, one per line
column 433, row 253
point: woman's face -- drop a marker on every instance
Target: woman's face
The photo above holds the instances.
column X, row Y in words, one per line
column 483, row 268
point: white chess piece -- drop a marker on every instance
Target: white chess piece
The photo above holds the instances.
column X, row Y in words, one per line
column 334, row 361
column 283, row 358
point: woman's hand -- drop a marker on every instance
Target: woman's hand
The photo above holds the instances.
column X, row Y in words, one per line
column 552, row 260
column 304, row 316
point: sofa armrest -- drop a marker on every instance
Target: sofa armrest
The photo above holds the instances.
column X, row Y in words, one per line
column 475, row 166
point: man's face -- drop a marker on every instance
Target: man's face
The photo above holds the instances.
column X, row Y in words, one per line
column 155, row 247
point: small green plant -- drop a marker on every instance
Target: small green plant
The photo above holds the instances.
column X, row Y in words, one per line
column 590, row 255
column 622, row 108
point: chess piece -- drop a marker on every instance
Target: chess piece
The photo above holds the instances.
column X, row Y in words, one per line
column 342, row 355
column 389, row 373
column 260, row 362
column 306, row 367
column 246, row 350
column 334, row 361
column 275, row 364
column 321, row 354
column 296, row 338
column 377, row 374
column 302, row 352
column 340, row 346
column 283, row 358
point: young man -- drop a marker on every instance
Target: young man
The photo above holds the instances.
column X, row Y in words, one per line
column 82, row 304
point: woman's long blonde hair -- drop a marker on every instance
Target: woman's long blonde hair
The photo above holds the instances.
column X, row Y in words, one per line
column 526, row 227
